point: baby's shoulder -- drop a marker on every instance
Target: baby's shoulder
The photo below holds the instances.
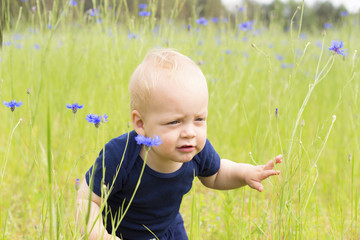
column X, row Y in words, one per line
column 123, row 141
column 123, row 148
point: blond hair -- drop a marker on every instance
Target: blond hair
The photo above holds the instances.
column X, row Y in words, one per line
column 158, row 65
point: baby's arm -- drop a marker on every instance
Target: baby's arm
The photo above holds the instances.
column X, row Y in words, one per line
column 98, row 231
column 233, row 175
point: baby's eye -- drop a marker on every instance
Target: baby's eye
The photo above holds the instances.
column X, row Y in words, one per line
column 173, row 122
column 200, row 119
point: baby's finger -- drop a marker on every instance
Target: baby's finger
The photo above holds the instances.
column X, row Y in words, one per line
column 270, row 164
column 268, row 173
column 258, row 186
column 278, row 158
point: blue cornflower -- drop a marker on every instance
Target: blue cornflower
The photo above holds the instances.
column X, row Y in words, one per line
column 73, row 3
column 132, row 35
column 303, row 36
column 74, row 107
column 95, row 119
column 344, row 13
column 245, row 26
column 336, row 45
column 202, row 21
column 143, row 6
column 215, row 19
column 18, row 36
column 156, row 29
column 279, row 57
column 92, row 12
column 37, row 46
column 318, row 43
column 276, row 112
column 148, row 141
column 327, row 25
column 144, row 14
column 12, row 104
column 284, row 65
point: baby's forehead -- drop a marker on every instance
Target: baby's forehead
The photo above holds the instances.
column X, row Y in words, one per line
column 183, row 80
column 175, row 98
column 177, row 89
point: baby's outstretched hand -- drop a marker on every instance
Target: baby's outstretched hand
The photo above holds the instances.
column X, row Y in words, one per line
column 256, row 174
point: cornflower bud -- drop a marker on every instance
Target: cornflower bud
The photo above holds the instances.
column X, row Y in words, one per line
column 105, row 189
column 77, row 184
column 302, row 124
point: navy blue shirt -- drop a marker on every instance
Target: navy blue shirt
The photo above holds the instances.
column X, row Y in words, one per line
column 158, row 198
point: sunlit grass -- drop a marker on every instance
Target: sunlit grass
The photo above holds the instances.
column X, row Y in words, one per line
column 91, row 63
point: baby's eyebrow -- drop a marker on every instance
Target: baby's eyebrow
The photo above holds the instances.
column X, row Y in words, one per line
column 202, row 113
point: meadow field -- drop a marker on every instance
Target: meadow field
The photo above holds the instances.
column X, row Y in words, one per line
column 272, row 91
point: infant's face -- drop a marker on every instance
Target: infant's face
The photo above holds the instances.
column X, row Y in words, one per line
column 177, row 114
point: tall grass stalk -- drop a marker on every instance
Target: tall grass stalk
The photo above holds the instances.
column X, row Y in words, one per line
column 150, row 231
column 3, row 224
column 325, row 70
column 286, row 201
column 51, row 203
column 8, row 149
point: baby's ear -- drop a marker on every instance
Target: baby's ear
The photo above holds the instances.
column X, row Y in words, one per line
column 138, row 122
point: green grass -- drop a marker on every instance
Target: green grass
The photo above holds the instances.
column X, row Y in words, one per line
column 315, row 197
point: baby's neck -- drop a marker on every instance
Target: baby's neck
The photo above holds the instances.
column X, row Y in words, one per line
column 160, row 166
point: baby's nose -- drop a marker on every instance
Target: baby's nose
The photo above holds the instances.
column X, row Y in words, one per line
column 188, row 131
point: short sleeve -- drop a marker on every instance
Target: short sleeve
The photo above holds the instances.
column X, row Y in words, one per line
column 110, row 166
column 208, row 160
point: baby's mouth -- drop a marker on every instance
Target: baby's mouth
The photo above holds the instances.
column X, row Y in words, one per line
column 187, row 148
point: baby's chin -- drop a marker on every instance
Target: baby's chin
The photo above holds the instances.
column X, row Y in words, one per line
column 187, row 158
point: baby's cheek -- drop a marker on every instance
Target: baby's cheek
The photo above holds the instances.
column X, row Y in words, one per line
column 203, row 138
column 201, row 144
column 166, row 145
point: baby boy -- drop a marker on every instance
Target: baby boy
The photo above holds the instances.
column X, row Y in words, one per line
column 169, row 100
